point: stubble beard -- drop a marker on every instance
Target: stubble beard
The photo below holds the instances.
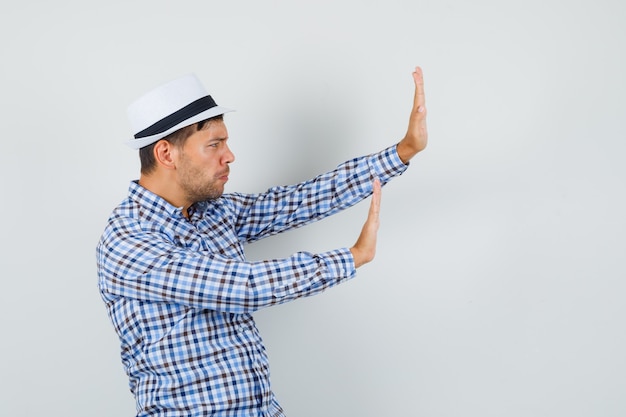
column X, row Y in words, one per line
column 197, row 187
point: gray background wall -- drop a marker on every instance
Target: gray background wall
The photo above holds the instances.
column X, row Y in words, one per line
column 499, row 286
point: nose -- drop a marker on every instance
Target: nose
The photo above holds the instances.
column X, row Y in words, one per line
column 229, row 156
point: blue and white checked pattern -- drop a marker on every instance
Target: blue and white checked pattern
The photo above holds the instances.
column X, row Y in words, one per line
column 180, row 293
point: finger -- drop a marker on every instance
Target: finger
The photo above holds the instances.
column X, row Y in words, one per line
column 419, row 99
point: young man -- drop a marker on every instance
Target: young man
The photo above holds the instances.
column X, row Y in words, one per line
column 171, row 265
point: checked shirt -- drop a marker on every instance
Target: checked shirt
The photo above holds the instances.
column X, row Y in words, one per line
column 180, row 292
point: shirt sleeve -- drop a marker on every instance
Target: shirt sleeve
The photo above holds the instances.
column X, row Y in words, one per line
column 287, row 207
column 143, row 265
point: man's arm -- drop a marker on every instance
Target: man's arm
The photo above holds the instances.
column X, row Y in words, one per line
column 287, row 207
column 284, row 208
column 141, row 263
column 416, row 136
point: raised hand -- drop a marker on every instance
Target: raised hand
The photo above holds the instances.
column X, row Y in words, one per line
column 364, row 249
column 416, row 137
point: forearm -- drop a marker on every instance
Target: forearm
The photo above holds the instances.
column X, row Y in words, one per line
column 284, row 208
column 406, row 151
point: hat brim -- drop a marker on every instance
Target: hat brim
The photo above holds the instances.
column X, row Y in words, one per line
column 207, row 114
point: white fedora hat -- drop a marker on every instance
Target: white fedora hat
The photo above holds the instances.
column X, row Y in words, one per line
column 172, row 106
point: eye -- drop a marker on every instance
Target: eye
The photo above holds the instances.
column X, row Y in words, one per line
column 217, row 143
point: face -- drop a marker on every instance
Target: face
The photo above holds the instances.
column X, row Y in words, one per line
column 202, row 163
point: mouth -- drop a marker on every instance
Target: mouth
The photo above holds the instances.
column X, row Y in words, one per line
column 223, row 176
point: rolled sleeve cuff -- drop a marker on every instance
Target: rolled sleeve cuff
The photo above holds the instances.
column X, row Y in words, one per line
column 387, row 164
column 340, row 264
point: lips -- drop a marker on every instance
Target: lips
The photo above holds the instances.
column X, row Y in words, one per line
column 223, row 175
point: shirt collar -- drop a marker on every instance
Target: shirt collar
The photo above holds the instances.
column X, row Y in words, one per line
column 157, row 204
column 151, row 201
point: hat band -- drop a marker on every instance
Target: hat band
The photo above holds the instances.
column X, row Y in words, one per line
column 192, row 109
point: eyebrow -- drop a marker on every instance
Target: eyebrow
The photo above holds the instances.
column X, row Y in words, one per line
column 218, row 139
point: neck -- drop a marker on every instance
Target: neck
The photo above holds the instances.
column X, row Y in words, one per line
column 165, row 189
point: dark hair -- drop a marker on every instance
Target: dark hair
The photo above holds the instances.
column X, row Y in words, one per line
column 177, row 138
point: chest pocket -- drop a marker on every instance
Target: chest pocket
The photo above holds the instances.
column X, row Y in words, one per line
column 218, row 237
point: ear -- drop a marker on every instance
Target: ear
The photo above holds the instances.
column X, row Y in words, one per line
column 165, row 154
